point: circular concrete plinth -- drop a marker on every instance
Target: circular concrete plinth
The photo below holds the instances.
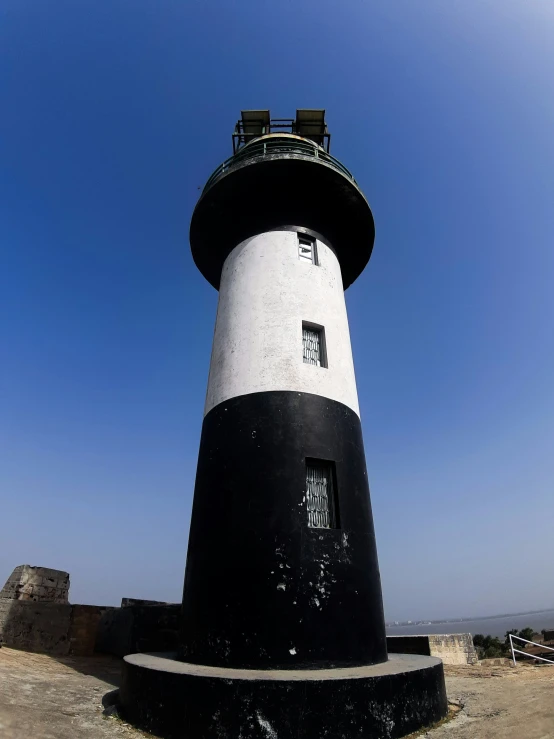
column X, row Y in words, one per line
column 178, row 700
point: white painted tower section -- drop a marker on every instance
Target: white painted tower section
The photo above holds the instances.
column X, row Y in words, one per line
column 265, row 295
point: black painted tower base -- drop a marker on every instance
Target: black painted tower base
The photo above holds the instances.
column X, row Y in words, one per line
column 263, row 590
column 179, row 700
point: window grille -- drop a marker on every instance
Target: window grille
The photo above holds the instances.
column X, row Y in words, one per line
column 307, row 249
column 320, row 495
column 313, row 350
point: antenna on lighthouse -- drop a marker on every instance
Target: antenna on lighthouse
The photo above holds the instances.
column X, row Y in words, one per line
column 309, row 124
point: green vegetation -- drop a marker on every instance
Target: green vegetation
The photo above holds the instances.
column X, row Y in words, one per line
column 527, row 633
column 490, row 646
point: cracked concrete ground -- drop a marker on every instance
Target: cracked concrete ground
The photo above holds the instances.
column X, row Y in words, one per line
column 46, row 698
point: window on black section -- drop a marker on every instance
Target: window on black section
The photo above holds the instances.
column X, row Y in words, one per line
column 313, row 345
column 321, row 495
column 307, row 251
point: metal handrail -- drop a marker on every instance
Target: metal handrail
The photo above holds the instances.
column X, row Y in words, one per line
column 533, row 656
column 262, row 148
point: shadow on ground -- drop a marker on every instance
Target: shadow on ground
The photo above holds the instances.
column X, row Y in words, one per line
column 101, row 666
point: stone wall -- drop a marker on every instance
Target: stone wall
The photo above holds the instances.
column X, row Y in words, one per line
column 83, row 628
column 37, row 584
column 35, row 627
column 49, row 628
column 453, row 649
column 114, row 634
column 126, row 602
column 36, row 616
column 139, row 628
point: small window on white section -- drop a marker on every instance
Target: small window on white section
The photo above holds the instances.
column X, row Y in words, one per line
column 307, row 251
column 321, row 499
column 313, row 345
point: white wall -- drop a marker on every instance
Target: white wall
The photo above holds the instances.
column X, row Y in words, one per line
column 265, row 294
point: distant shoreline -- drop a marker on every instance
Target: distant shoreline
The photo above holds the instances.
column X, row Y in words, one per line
column 465, row 619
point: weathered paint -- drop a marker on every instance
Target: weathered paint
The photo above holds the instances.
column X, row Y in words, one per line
column 383, row 701
column 266, row 293
column 260, row 581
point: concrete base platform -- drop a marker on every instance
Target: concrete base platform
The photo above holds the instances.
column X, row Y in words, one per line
column 178, row 700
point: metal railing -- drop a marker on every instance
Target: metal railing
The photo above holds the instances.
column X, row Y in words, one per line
column 532, row 656
column 270, row 147
column 243, row 133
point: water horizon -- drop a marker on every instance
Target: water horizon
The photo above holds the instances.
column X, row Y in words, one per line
column 494, row 625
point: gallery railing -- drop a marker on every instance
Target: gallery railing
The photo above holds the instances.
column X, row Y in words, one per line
column 271, row 146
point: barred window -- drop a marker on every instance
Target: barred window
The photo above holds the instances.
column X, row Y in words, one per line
column 307, row 249
column 320, row 495
column 313, row 345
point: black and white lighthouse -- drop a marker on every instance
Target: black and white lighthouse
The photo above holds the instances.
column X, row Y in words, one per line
column 283, row 630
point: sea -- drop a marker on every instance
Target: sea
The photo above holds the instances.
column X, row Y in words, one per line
column 493, row 625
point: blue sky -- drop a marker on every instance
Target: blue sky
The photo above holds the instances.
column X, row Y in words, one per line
column 113, row 116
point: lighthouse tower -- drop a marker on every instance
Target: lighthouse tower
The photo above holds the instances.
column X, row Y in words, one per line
column 283, row 630
column 282, row 566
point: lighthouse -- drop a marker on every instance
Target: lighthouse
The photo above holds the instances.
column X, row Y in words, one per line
column 282, row 628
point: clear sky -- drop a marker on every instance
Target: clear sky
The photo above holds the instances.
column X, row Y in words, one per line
column 113, row 116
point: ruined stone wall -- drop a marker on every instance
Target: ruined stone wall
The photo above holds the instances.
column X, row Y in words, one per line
column 36, row 616
column 37, row 584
